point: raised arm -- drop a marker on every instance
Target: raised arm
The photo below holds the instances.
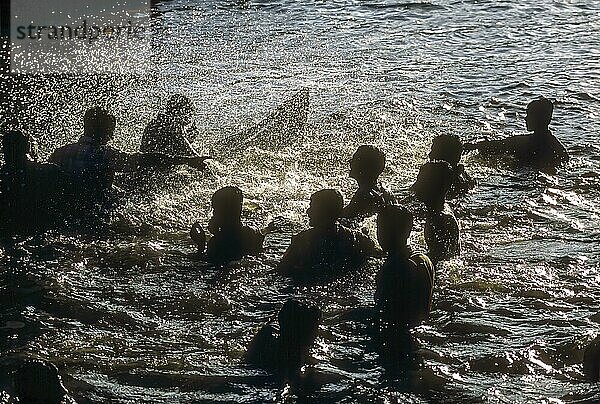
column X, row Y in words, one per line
column 135, row 161
column 503, row 146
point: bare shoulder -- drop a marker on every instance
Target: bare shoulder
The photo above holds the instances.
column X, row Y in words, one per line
column 305, row 236
column 558, row 146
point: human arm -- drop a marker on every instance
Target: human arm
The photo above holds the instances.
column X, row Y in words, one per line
column 198, row 236
column 463, row 179
column 185, row 139
column 509, row 145
column 293, row 259
column 462, row 174
column 367, row 246
column 132, row 162
column 192, row 133
column 388, row 197
column 262, row 349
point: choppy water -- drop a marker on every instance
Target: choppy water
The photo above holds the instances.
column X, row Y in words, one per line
column 511, row 316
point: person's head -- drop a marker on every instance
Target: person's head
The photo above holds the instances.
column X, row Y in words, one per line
column 15, row 146
column 298, row 324
column 99, row 124
column 325, row 207
column 38, row 382
column 539, row 114
column 433, row 183
column 180, row 106
column 367, row 164
column 394, row 224
column 227, row 207
column 446, row 148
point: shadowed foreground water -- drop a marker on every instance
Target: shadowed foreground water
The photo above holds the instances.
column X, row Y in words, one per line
column 129, row 316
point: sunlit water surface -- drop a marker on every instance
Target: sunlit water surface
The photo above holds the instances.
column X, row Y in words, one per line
column 510, row 317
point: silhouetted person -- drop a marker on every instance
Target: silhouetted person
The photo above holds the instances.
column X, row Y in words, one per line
column 30, row 192
column 173, row 130
column 540, row 149
column 231, row 240
column 38, row 382
column 285, row 352
column 591, row 361
column 442, row 233
column 366, row 166
column 404, row 286
column 91, row 163
column 328, row 248
column 449, row 148
column 405, row 282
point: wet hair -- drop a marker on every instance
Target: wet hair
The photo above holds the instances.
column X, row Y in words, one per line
column 446, row 148
column 227, row 207
column 180, row 104
column 99, row 124
column 15, row 145
column 369, row 161
column 298, row 322
column 328, row 202
column 37, row 381
column 541, row 109
column 394, row 224
column 228, row 198
column 433, row 178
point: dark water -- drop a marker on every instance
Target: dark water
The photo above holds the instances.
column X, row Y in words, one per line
column 511, row 316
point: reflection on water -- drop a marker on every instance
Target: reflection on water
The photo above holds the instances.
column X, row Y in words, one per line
column 129, row 314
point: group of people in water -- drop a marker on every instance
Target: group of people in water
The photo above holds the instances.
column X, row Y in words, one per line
column 77, row 182
column 78, row 179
